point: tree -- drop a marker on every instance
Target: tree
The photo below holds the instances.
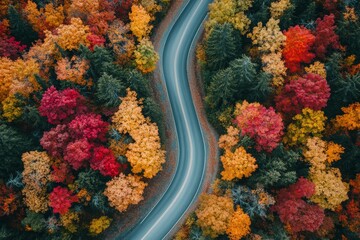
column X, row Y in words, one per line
column 310, row 91
column 109, row 90
column 145, row 56
column 214, row 214
column 145, row 154
column 325, row 35
column 263, row 125
column 277, row 169
column 308, row 123
column 223, row 88
column 60, row 199
column 123, row 191
column 98, row 225
column 20, row 28
column 294, row 211
column 72, row 70
column 139, row 21
column 35, row 177
column 220, row 46
column 239, row 225
column 302, row 38
column 350, row 120
column 237, row 164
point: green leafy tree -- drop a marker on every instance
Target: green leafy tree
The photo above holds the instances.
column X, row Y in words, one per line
column 91, row 180
column 20, row 28
column 221, row 46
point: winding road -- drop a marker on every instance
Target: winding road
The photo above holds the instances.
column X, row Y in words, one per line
column 192, row 145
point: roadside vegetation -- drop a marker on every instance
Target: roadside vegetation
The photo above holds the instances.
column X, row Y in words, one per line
column 282, row 88
column 79, row 127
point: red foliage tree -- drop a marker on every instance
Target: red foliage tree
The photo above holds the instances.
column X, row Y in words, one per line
column 9, row 200
column 123, row 8
column 61, row 173
column 89, row 126
column 95, row 40
column 309, row 91
column 60, row 199
column 56, row 140
column 9, row 47
column 61, row 106
column 263, row 125
column 325, row 35
column 104, row 161
column 294, row 211
column 77, row 153
column 299, row 41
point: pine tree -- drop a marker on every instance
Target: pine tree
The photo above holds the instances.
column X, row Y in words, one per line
column 222, row 90
column 20, row 28
column 109, row 90
column 220, row 46
column 12, row 145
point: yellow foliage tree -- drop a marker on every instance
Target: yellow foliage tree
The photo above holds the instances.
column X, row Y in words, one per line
column 237, row 164
column 274, row 65
column 145, row 56
column 98, row 225
column 309, row 123
column 269, row 38
column 139, row 21
column 317, row 68
column 277, row 8
column 330, row 190
column 123, row 191
column 350, row 120
column 71, row 36
column 35, row 177
column 11, row 108
column 239, row 225
column 145, row 154
column 214, row 214
column 70, row 220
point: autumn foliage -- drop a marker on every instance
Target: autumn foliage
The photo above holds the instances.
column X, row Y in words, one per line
column 303, row 39
column 264, row 125
column 310, row 91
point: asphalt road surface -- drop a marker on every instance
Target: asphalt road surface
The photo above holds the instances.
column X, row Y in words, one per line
column 193, row 149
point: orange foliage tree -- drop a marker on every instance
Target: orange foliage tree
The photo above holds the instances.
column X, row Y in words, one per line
column 123, row 191
column 239, row 225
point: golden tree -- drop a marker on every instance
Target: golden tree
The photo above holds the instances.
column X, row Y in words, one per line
column 35, row 177
column 145, row 154
column 139, row 21
column 237, row 164
column 350, row 120
column 123, row 191
column 214, row 214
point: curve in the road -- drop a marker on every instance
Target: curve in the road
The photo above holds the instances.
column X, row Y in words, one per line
column 192, row 145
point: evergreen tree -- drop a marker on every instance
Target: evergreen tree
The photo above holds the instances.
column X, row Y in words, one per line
column 223, row 88
column 276, row 170
column 220, row 46
column 20, row 28
column 109, row 90
column 137, row 82
column 12, row 145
